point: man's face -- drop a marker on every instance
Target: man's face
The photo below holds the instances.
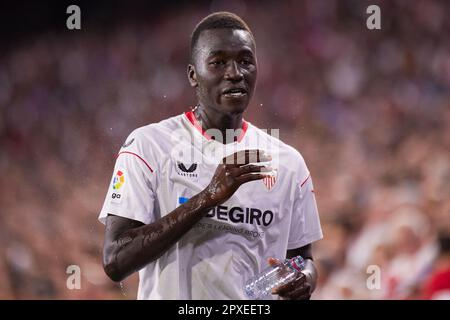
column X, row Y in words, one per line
column 224, row 70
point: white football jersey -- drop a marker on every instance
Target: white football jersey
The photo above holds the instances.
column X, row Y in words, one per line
column 162, row 165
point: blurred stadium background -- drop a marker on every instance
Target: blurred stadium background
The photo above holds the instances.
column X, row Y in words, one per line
column 369, row 111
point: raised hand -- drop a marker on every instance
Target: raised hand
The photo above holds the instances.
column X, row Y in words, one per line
column 235, row 170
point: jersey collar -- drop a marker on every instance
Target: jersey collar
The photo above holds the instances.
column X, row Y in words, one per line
column 193, row 120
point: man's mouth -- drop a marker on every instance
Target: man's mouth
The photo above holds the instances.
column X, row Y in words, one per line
column 235, row 92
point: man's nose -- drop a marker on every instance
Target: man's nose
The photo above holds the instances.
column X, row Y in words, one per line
column 233, row 72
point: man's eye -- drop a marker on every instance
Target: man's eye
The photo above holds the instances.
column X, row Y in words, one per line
column 217, row 62
column 246, row 62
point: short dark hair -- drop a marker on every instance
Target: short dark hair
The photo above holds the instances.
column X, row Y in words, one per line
column 217, row 20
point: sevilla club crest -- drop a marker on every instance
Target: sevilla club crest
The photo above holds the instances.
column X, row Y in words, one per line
column 269, row 181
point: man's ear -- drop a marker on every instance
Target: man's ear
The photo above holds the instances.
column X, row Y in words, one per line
column 192, row 76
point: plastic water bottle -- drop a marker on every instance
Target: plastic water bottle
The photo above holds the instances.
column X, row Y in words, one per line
column 260, row 286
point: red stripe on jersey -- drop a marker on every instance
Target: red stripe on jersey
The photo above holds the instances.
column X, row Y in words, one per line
column 309, row 175
column 193, row 120
column 134, row 154
column 244, row 130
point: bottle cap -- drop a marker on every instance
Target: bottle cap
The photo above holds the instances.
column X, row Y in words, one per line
column 298, row 263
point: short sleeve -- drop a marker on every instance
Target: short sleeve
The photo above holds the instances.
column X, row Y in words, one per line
column 131, row 192
column 305, row 222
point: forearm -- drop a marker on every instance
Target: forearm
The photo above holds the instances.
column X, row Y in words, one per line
column 135, row 248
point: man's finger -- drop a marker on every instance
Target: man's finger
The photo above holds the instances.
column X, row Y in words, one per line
column 238, row 157
column 291, row 285
column 253, row 168
column 297, row 294
column 250, row 177
column 273, row 262
column 247, row 156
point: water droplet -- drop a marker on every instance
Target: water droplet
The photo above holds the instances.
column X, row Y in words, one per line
column 165, row 96
column 261, row 104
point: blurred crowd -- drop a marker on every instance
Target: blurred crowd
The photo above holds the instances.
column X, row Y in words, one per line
column 368, row 109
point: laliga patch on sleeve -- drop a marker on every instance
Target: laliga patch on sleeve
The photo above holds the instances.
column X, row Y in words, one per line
column 117, row 186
